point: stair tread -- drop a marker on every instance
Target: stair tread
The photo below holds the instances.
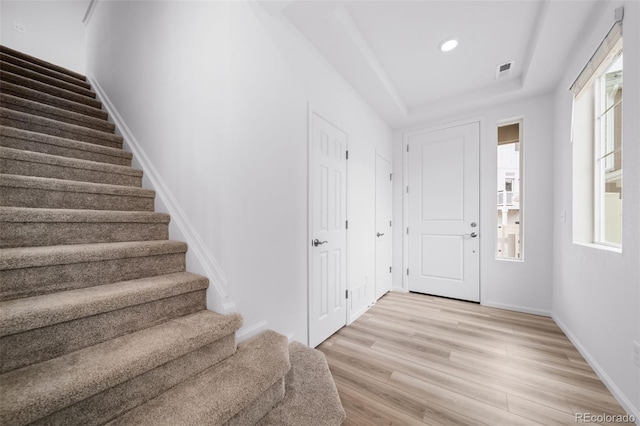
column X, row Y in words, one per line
column 24, row 314
column 76, row 163
column 43, row 70
column 217, row 394
column 29, row 257
column 49, row 99
column 40, row 389
column 27, row 214
column 6, row 113
column 41, row 62
column 311, row 396
column 63, row 142
column 51, row 184
column 34, row 75
column 49, row 89
column 11, row 102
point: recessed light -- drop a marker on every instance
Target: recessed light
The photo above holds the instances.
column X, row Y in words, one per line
column 448, row 45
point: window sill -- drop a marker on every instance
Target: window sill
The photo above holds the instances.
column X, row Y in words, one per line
column 600, row 247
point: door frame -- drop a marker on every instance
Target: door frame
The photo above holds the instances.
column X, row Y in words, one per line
column 311, row 110
column 405, row 182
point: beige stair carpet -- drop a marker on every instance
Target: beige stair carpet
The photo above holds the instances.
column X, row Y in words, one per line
column 100, row 323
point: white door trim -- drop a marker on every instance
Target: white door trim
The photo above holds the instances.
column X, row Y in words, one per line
column 311, row 110
column 405, row 182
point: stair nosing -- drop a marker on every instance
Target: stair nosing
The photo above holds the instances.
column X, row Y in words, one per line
column 12, row 100
column 63, row 185
column 155, row 346
column 46, row 64
column 26, row 64
column 67, row 162
column 45, row 215
column 34, row 75
column 12, row 114
column 64, row 142
column 92, row 111
column 24, row 314
column 58, row 90
column 33, row 257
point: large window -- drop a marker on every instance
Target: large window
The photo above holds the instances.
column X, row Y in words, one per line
column 509, row 161
column 597, row 146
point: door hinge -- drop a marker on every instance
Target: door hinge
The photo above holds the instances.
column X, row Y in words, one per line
column 389, row 269
column 407, row 148
column 390, row 176
column 347, row 155
column 407, row 230
column 346, row 294
column 389, row 224
column 407, row 271
column 346, row 224
column 407, row 189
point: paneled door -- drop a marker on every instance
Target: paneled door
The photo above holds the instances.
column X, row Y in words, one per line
column 327, row 234
column 443, row 212
column 383, row 226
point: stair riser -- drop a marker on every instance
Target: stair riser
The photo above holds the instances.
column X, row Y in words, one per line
column 34, row 75
column 42, row 234
column 44, row 98
column 22, row 349
column 42, row 70
column 27, row 168
column 62, row 151
column 260, row 407
column 108, row 140
column 48, row 89
column 40, row 62
column 26, row 282
column 42, row 198
column 111, row 403
column 46, row 111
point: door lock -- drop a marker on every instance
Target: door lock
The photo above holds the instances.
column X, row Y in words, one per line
column 379, row 234
column 473, row 224
column 317, row 242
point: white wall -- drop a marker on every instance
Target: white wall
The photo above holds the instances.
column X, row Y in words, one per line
column 53, row 30
column 517, row 285
column 219, row 107
column 596, row 293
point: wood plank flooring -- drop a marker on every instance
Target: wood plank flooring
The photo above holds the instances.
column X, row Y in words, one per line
column 414, row 360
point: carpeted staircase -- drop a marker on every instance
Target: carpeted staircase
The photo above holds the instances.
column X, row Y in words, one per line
column 99, row 321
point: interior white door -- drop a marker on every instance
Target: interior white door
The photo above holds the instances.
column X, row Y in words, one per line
column 443, row 212
column 328, row 238
column 383, row 226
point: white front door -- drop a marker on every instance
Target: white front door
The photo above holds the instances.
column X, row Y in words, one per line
column 328, row 237
column 383, row 226
column 443, row 212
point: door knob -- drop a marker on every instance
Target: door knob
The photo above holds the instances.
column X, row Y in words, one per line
column 379, row 234
column 317, row 242
column 472, row 235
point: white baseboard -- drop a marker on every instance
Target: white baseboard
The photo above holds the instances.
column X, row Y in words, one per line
column 199, row 258
column 613, row 388
column 354, row 316
column 249, row 331
column 516, row 308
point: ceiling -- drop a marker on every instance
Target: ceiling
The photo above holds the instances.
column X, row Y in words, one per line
column 388, row 50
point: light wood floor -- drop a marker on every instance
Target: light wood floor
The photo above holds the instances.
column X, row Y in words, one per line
column 415, row 360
